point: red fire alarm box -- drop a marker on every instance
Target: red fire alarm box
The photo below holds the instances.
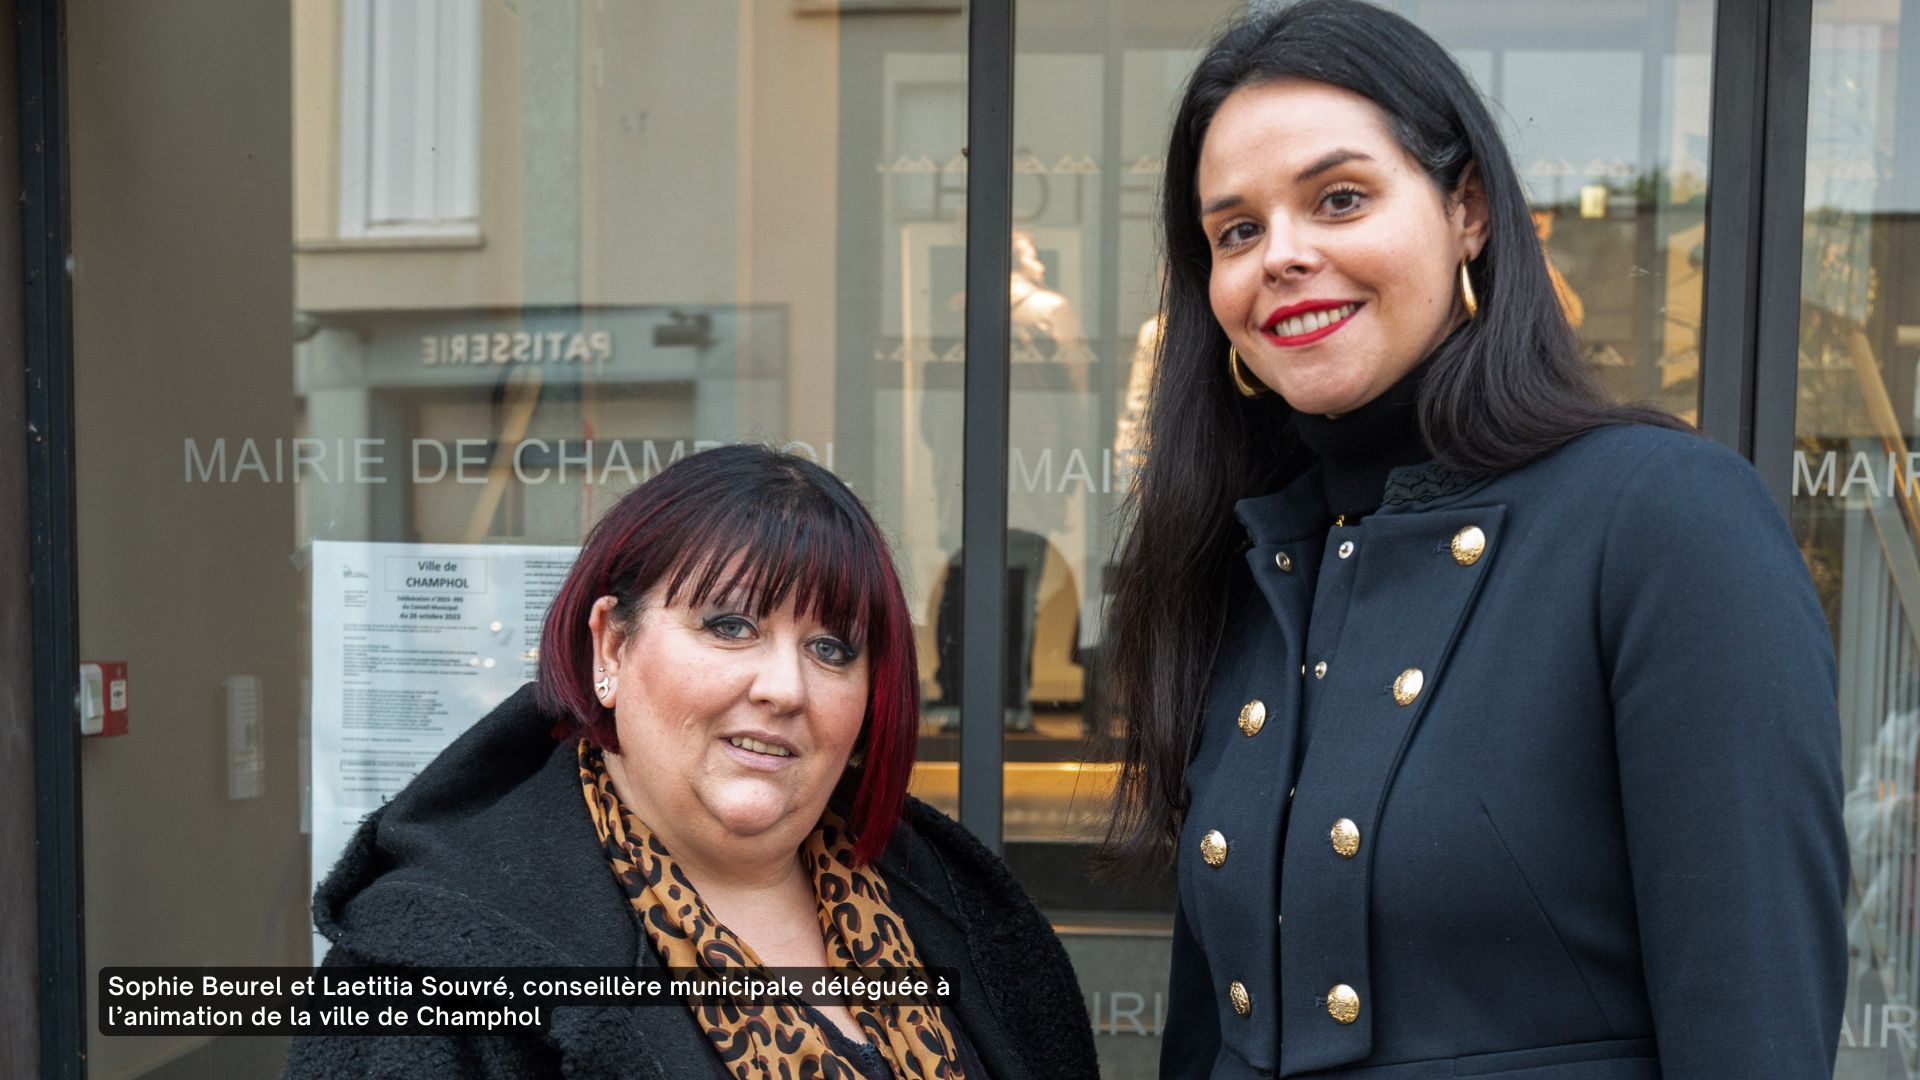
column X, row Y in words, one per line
column 103, row 697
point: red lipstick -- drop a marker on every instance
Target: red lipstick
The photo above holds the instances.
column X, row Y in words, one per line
column 1271, row 328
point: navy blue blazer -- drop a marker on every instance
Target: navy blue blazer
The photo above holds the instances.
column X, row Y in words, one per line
column 1564, row 804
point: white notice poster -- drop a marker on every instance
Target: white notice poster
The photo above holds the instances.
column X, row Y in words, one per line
column 412, row 643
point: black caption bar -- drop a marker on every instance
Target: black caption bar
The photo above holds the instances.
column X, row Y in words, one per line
column 461, row 1001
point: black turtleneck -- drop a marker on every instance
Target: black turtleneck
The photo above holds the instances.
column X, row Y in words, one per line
column 1358, row 449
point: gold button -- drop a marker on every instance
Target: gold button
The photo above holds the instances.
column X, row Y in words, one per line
column 1343, row 1004
column 1320, row 670
column 1346, row 548
column 1253, row 717
column 1213, row 848
column 1407, row 686
column 1237, row 993
column 1284, row 561
column 1468, row 545
column 1346, row 838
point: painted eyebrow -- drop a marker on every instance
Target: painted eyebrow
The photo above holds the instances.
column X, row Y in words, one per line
column 1331, row 160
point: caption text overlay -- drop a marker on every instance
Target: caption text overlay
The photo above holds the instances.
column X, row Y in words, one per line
column 463, row 1001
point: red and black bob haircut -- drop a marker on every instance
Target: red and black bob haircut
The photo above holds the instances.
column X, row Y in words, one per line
column 771, row 527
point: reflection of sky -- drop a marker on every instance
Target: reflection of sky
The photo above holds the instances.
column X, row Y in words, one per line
column 1577, row 117
column 1587, row 93
column 1850, row 122
column 1574, row 118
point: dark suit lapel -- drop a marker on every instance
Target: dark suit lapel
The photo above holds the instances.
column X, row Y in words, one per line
column 1411, row 595
column 1284, row 535
column 1245, row 761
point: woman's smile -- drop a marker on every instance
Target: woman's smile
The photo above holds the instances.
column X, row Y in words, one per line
column 1323, row 229
column 764, row 753
column 1304, row 324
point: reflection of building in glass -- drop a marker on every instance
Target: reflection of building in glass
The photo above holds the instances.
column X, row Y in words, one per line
column 1855, row 507
column 1569, row 300
column 520, row 424
column 1043, row 607
column 541, row 250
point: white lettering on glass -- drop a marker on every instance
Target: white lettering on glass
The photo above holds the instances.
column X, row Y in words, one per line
column 1866, row 473
column 517, row 347
column 222, row 460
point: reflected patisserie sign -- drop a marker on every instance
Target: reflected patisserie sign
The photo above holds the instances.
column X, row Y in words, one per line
column 517, row 347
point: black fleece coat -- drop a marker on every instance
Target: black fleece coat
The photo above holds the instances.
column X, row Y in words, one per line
column 488, row 859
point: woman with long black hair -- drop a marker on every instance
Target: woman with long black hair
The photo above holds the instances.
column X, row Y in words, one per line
column 1490, row 723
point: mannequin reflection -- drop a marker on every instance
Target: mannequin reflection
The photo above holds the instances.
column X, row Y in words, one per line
column 1043, row 329
column 1044, row 325
column 1050, row 420
column 1129, row 428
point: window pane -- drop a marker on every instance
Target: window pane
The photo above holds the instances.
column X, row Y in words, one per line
column 336, row 465
column 1606, row 111
column 1094, row 88
column 1854, row 493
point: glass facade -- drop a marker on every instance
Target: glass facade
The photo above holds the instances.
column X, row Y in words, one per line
column 1615, row 162
column 378, row 304
column 1854, row 487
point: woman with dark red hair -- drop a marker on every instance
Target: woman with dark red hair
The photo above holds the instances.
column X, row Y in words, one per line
column 709, row 776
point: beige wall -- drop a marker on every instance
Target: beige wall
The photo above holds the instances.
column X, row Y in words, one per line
column 708, row 152
column 205, row 190
column 347, row 275
column 699, row 147
column 182, row 293
column 789, row 153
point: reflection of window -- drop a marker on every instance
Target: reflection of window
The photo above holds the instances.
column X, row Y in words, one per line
column 409, row 118
column 929, row 176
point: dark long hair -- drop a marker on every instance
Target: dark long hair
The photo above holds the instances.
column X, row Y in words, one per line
column 751, row 521
column 1506, row 389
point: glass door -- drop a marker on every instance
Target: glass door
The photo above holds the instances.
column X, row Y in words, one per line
column 1855, row 496
column 1606, row 111
column 362, row 286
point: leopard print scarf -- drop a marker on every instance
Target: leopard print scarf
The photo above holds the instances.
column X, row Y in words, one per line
column 766, row 1040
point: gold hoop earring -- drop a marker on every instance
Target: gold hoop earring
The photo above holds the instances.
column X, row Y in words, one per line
column 1239, row 373
column 1466, row 292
